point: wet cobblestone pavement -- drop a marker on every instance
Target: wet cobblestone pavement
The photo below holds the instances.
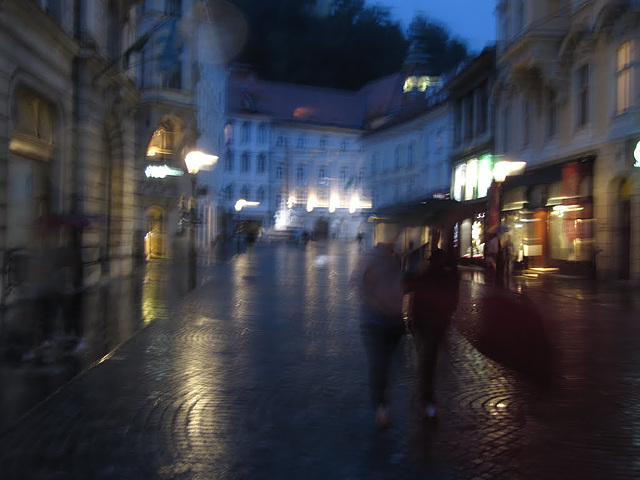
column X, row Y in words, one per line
column 260, row 374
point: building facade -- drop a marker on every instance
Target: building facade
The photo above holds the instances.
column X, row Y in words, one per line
column 472, row 153
column 568, row 103
column 66, row 138
column 292, row 159
column 180, row 73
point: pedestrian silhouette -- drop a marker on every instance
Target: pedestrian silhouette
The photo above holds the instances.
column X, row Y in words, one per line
column 433, row 294
column 378, row 280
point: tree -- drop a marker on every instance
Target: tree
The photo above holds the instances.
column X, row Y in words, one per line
column 344, row 46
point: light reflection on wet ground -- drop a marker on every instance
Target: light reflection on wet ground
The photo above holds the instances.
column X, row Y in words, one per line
column 261, row 374
column 109, row 315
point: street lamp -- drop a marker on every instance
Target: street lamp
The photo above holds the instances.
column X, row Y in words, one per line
column 195, row 161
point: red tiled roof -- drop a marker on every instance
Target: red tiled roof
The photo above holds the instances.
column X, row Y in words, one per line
column 295, row 103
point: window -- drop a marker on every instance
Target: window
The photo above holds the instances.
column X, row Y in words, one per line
column 552, row 114
column 343, row 146
column 278, row 200
column 228, row 193
column 301, row 196
column 519, row 22
column 279, row 171
column 506, row 129
column 300, row 173
column 583, row 95
column 374, row 162
column 468, row 117
column 244, row 193
column 457, row 132
column 245, row 162
column 172, row 7
column 262, row 162
column 323, row 143
column 262, row 133
column 410, row 153
column 396, row 155
column 260, row 195
column 483, row 118
column 301, row 141
column 526, row 123
column 228, row 162
column 322, row 173
column 623, row 78
column 113, row 29
column 344, row 174
column 440, row 139
column 228, row 133
column 245, row 133
column 280, row 141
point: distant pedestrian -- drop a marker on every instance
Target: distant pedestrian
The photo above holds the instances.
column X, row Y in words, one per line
column 378, row 280
column 434, row 297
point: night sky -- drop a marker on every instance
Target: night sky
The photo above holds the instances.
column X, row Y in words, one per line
column 472, row 21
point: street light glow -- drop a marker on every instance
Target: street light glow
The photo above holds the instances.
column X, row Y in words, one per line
column 240, row 204
column 197, row 161
column 504, row 168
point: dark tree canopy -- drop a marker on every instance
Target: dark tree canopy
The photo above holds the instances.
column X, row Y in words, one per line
column 342, row 45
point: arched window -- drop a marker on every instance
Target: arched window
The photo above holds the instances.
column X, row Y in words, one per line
column 261, row 194
column 244, row 193
column 245, row 164
column 262, row 161
column 228, row 162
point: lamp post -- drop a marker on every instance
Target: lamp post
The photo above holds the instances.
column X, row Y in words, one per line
column 501, row 170
column 195, row 161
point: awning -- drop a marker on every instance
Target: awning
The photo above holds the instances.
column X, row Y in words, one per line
column 431, row 212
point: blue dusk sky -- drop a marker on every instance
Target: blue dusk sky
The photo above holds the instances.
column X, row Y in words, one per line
column 471, row 21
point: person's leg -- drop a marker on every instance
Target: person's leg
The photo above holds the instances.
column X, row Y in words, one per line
column 380, row 344
column 427, row 346
column 373, row 339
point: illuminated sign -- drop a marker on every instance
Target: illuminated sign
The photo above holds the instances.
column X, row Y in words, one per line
column 441, row 196
column 420, row 83
column 162, row 171
column 636, row 155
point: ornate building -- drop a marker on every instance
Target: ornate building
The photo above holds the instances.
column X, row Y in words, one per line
column 181, row 76
column 66, row 137
column 568, row 103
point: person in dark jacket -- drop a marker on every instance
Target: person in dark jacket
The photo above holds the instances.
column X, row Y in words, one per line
column 434, row 297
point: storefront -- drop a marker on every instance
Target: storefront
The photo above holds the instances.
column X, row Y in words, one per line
column 548, row 214
column 472, row 179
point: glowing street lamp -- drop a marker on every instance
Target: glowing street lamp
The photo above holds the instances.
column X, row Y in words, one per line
column 195, row 161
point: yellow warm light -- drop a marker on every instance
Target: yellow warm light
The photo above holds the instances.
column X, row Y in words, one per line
column 152, row 151
column 240, row 204
column 545, row 269
column 311, row 203
column 504, row 168
column 197, row 161
column 333, row 203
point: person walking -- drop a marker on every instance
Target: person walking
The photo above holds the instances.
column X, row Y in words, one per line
column 378, row 281
column 434, row 296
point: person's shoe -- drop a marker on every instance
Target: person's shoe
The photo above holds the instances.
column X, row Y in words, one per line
column 382, row 417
